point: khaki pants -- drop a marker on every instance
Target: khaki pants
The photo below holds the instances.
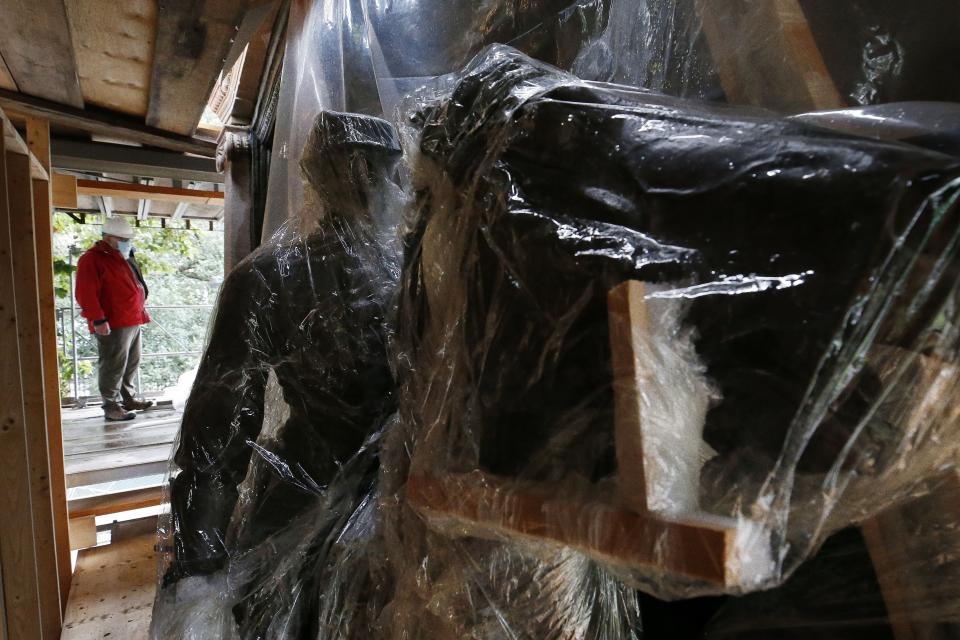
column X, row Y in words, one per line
column 118, row 364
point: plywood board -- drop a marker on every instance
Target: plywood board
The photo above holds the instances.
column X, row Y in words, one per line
column 113, row 589
column 36, row 45
column 115, row 56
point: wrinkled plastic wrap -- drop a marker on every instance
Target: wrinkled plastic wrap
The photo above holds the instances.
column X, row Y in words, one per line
column 582, row 348
column 293, row 383
column 795, row 368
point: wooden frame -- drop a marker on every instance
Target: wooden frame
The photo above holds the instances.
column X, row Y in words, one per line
column 33, row 542
column 619, row 528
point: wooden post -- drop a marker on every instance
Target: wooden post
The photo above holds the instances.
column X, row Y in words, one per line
column 17, row 545
column 26, row 288
column 38, row 141
column 766, row 55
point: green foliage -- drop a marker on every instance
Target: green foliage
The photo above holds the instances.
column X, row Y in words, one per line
column 182, row 268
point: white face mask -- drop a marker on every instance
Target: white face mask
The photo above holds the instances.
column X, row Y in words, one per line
column 125, row 247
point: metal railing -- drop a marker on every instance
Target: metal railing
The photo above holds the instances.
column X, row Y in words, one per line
column 72, row 350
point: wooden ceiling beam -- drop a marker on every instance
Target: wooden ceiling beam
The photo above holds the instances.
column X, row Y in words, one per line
column 106, row 123
column 134, row 161
column 37, row 47
column 193, row 40
column 145, row 192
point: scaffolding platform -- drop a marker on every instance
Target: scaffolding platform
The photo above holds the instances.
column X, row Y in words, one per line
column 111, row 466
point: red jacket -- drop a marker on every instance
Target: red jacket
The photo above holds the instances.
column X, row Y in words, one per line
column 107, row 289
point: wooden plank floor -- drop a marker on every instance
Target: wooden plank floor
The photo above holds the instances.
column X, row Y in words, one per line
column 112, row 591
column 98, row 451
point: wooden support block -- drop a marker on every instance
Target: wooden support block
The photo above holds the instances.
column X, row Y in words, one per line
column 148, row 192
column 766, row 55
column 83, row 532
column 38, row 140
column 117, row 503
column 64, row 191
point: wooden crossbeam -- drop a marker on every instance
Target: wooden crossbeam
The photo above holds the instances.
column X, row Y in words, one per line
column 106, row 123
column 147, row 192
column 599, row 529
column 117, row 503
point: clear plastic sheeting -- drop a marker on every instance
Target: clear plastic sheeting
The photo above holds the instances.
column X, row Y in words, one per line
column 809, row 333
column 300, row 336
column 369, row 57
column 548, row 342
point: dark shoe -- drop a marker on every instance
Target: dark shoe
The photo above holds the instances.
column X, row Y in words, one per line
column 115, row 413
column 137, row 405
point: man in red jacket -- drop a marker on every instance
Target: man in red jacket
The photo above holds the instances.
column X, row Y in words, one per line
column 112, row 295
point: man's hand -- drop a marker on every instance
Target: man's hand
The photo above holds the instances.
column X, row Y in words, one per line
column 102, row 329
